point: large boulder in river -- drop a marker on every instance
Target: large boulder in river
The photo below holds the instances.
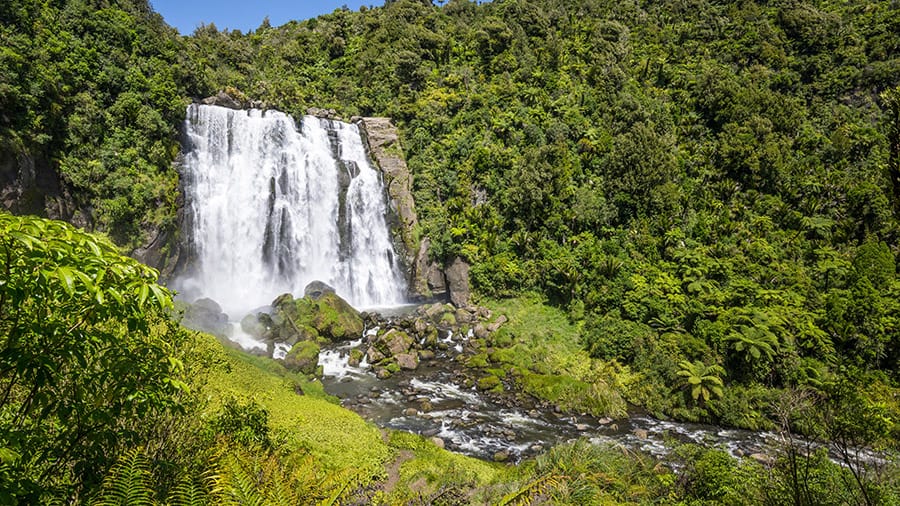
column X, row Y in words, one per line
column 408, row 361
column 392, row 343
column 329, row 316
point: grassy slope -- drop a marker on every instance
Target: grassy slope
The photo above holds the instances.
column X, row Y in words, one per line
column 542, row 346
column 338, row 438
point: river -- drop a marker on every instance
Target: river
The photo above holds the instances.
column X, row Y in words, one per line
column 432, row 402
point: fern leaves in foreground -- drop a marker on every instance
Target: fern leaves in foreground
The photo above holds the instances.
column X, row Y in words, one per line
column 128, row 482
column 240, row 477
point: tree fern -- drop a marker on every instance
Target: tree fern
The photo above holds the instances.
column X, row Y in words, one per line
column 128, row 482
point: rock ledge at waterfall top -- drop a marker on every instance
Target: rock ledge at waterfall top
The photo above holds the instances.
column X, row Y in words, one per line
column 224, row 99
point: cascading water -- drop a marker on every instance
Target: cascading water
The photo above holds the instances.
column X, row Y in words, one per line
column 273, row 207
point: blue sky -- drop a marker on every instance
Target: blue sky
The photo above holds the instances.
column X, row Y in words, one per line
column 244, row 15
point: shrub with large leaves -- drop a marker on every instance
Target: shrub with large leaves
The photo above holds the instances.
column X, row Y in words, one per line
column 87, row 352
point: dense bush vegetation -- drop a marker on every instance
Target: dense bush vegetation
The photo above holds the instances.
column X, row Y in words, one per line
column 94, row 88
column 89, row 357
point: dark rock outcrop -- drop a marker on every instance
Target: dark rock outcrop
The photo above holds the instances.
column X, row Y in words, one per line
column 223, row 99
column 30, row 185
column 233, row 99
column 161, row 251
column 206, row 315
column 457, row 274
column 323, row 113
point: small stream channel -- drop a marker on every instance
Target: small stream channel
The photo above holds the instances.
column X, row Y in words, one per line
column 432, row 402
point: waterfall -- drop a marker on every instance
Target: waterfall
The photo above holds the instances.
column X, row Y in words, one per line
column 271, row 207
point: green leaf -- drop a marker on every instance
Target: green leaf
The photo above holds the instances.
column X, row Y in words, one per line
column 143, row 291
column 8, row 456
column 68, row 279
column 160, row 296
column 25, row 239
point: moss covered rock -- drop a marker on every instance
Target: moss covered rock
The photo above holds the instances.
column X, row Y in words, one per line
column 303, row 357
column 488, row 383
column 390, row 344
column 356, row 357
column 327, row 315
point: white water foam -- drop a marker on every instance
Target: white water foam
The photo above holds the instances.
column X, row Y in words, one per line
column 441, row 391
column 335, row 364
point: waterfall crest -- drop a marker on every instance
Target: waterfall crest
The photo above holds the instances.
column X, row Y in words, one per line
column 272, row 207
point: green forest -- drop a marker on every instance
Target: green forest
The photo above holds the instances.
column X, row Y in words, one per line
column 696, row 201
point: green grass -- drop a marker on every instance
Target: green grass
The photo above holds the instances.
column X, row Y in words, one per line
column 336, row 437
column 435, row 472
column 543, row 347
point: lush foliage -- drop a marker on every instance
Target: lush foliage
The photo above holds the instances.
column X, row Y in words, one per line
column 707, row 193
column 93, row 89
column 88, row 354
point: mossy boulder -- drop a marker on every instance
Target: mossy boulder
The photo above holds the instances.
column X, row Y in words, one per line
column 328, row 315
column 252, row 325
column 303, row 357
column 206, row 315
column 391, row 343
column 375, row 355
column 397, row 342
column 488, row 383
column 448, row 319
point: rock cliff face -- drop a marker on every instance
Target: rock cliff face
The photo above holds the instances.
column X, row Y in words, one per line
column 384, row 145
column 427, row 279
column 29, row 185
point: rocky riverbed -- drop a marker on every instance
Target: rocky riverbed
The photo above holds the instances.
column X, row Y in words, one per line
column 435, row 401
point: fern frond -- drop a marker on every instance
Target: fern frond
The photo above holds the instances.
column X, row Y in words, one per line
column 128, row 482
column 336, row 495
column 189, row 492
column 536, row 488
column 236, row 484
